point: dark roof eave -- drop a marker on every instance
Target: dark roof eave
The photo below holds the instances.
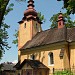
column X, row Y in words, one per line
column 20, row 22
column 43, row 45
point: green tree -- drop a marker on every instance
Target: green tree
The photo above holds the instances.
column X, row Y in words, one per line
column 3, row 5
column 4, row 10
column 69, row 5
column 68, row 22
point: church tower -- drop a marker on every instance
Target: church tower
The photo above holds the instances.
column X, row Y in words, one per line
column 29, row 26
column 60, row 20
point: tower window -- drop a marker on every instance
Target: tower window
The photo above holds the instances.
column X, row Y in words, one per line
column 25, row 25
column 32, row 57
column 50, row 60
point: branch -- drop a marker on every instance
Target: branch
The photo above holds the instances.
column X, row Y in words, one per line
column 3, row 5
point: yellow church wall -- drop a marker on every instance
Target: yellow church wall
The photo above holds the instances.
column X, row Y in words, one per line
column 72, row 56
column 24, row 33
column 66, row 58
column 27, row 30
column 36, row 27
column 42, row 55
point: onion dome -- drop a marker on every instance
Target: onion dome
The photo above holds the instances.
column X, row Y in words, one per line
column 30, row 13
column 30, row 10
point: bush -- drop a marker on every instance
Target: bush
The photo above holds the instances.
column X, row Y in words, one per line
column 65, row 72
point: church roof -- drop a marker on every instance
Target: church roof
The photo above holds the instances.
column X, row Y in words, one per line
column 32, row 63
column 51, row 36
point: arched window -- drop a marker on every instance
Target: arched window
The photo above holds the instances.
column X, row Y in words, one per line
column 51, row 58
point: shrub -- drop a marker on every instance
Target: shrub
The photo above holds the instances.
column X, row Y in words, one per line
column 65, row 72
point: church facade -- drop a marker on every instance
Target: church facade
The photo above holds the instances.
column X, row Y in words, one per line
column 42, row 52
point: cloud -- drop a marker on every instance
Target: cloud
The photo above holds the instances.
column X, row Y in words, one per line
column 15, row 61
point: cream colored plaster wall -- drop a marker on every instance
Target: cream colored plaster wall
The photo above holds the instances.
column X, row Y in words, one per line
column 41, row 54
column 43, row 57
column 24, row 33
column 72, row 56
column 36, row 29
column 66, row 58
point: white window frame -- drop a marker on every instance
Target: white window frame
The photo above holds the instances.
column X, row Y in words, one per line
column 49, row 58
column 32, row 56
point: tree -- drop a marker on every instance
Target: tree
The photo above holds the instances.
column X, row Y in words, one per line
column 3, row 5
column 69, row 5
column 68, row 22
column 4, row 10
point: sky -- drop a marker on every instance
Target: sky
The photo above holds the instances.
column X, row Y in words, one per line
column 46, row 7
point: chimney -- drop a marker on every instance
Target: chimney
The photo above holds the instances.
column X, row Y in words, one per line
column 60, row 21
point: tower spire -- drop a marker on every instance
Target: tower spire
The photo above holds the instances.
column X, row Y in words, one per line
column 30, row 4
column 30, row 11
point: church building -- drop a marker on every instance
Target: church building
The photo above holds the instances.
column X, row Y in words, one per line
column 42, row 52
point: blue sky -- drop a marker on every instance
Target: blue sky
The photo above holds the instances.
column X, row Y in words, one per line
column 46, row 7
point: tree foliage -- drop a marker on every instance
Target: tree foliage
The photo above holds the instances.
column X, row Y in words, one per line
column 3, row 5
column 16, row 38
column 68, row 22
column 69, row 5
column 41, row 17
column 4, row 10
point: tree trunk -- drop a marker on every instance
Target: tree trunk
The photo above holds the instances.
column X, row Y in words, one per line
column 3, row 5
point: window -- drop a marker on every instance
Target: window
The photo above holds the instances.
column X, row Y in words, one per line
column 51, row 60
column 32, row 57
column 25, row 25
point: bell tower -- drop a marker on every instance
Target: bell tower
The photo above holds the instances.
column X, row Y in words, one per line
column 60, row 20
column 29, row 26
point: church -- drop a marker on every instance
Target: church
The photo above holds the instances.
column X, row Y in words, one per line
column 42, row 52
